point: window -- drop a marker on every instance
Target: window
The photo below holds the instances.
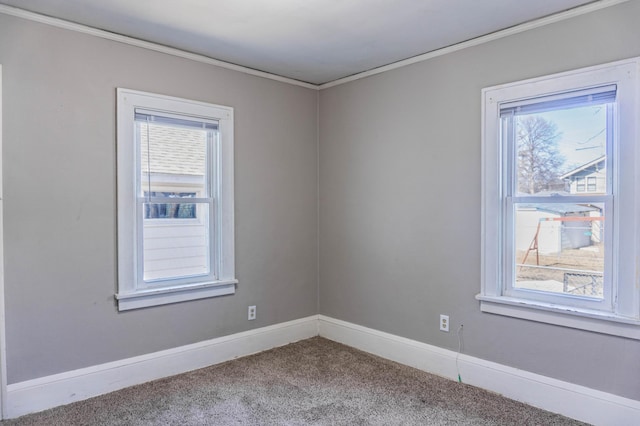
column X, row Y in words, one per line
column 559, row 245
column 175, row 200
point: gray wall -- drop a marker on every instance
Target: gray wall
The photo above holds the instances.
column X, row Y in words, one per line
column 59, row 100
column 400, row 201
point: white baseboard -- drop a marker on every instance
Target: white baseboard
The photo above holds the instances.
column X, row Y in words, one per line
column 59, row 389
column 568, row 399
column 578, row 402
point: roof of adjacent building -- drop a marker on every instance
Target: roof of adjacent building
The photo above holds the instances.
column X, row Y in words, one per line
column 172, row 150
column 597, row 164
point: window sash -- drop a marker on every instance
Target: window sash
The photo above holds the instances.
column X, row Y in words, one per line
column 507, row 141
column 211, row 156
column 509, row 289
column 212, row 257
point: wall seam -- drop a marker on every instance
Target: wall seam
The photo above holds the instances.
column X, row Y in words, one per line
column 318, row 202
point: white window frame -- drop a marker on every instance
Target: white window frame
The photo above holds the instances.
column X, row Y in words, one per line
column 622, row 315
column 133, row 292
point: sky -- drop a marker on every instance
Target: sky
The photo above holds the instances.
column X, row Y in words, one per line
column 583, row 133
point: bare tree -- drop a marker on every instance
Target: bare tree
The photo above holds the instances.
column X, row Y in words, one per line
column 539, row 160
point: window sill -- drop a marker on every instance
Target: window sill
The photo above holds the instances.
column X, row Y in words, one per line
column 582, row 319
column 164, row 296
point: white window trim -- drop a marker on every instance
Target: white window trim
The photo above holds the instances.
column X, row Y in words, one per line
column 131, row 294
column 624, row 320
column 3, row 344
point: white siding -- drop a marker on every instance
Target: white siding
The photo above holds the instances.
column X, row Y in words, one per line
column 175, row 247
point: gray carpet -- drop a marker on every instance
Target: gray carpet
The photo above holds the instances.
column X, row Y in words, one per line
column 312, row 382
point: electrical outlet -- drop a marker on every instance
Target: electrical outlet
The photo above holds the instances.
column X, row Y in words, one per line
column 444, row 323
column 252, row 313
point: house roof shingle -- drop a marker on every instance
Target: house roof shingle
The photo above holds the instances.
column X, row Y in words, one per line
column 172, row 150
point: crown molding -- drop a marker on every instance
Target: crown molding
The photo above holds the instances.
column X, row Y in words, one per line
column 551, row 19
column 84, row 29
column 547, row 20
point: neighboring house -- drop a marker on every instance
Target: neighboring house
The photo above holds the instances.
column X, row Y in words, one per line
column 590, row 178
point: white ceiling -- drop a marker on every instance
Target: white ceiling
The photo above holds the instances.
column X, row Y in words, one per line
column 314, row 41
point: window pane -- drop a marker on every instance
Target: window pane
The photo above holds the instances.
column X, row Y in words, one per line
column 172, row 159
column 170, row 210
column 174, row 249
column 556, row 150
column 559, row 248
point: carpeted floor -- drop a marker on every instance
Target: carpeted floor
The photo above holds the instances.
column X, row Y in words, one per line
column 312, row 382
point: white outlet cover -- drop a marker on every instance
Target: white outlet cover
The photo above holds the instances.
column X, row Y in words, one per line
column 444, row 323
